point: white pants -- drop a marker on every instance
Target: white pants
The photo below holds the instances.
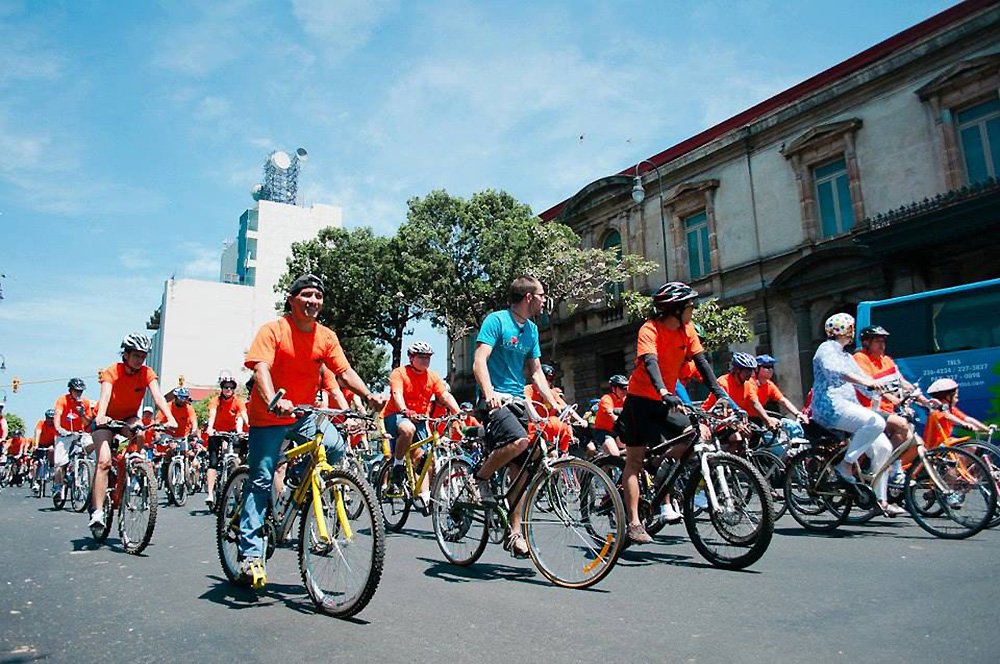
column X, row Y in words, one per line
column 867, row 428
column 63, row 445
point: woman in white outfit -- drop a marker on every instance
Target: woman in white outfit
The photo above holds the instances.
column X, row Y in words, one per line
column 835, row 405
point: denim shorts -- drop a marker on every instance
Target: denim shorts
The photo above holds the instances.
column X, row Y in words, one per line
column 392, row 428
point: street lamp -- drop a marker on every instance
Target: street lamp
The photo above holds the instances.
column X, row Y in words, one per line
column 3, row 362
column 639, row 195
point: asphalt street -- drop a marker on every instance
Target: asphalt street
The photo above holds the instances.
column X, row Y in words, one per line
column 884, row 592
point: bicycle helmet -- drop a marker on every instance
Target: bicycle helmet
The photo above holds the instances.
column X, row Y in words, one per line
column 838, row 324
column 548, row 370
column 671, row 296
column 618, row 380
column 50, row 413
column 76, row 384
column 226, row 378
column 743, row 361
column 420, row 348
column 182, row 394
column 137, row 342
column 465, row 405
column 874, row 331
column 765, row 361
column 942, row 385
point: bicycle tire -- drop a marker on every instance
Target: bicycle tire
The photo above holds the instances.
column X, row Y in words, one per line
column 772, row 469
column 176, row 483
column 359, row 557
column 137, row 509
column 458, row 518
column 82, row 482
column 394, row 508
column 227, row 525
column 59, row 497
column 990, row 454
column 739, row 534
column 563, row 510
column 967, row 478
column 818, row 504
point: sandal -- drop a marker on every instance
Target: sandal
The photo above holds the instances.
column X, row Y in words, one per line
column 517, row 545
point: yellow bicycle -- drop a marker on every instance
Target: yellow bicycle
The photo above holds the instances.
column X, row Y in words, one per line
column 397, row 501
column 341, row 542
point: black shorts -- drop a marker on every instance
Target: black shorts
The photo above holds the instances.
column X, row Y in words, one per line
column 644, row 422
column 214, row 452
column 506, row 425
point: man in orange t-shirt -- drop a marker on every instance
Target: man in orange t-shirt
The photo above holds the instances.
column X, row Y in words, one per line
column 608, row 410
column 286, row 353
column 741, row 388
column 227, row 413
column 666, row 341
column 411, row 388
column 73, row 414
column 123, row 386
column 45, row 437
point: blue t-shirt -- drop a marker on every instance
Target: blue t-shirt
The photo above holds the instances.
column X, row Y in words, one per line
column 512, row 345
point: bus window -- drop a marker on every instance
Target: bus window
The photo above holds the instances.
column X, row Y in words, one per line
column 910, row 326
column 967, row 321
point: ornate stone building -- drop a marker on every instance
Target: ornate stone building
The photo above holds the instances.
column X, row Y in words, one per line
column 874, row 178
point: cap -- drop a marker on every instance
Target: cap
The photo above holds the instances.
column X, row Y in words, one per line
column 306, row 281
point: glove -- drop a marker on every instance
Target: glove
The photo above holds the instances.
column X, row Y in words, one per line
column 671, row 400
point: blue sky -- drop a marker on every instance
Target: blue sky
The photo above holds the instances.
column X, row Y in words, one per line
column 131, row 132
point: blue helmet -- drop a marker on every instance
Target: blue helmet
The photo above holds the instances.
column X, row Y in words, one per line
column 182, row 394
column 765, row 361
column 744, row 361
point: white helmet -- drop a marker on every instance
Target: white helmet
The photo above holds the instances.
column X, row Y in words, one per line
column 135, row 341
column 420, row 348
column 837, row 325
column 942, row 385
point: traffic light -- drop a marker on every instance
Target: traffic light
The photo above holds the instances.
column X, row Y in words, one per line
column 15, row 384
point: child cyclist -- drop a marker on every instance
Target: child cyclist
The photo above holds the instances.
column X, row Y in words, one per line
column 123, row 385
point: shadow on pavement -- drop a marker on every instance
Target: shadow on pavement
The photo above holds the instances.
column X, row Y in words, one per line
column 236, row 597
column 440, row 569
column 850, row 531
column 637, row 557
column 409, row 532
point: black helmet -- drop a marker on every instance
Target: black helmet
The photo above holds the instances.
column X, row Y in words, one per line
column 76, row 384
column 671, row 296
column 548, row 370
column 618, row 380
column 874, row 331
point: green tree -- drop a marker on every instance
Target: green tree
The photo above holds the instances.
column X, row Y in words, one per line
column 369, row 359
column 373, row 286
column 14, row 421
column 718, row 327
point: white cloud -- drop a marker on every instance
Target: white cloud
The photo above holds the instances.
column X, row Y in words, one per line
column 341, row 26
column 134, row 260
column 208, row 37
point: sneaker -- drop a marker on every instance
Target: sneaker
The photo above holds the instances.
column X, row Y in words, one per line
column 252, row 571
column 56, row 489
column 485, row 492
column 210, row 501
column 893, row 511
column 898, row 479
column 399, row 474
column 97, row 520
column 955, row 500
column 637, row 533
column 517, row 545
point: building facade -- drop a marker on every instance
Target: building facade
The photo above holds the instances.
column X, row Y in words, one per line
column 874, row 178
column 204, row 327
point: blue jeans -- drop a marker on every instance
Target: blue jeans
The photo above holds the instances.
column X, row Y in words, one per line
column 264, row 449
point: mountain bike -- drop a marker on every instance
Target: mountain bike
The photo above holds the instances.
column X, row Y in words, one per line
column 726, row 504
column 989, row 453
column 396, row 501
column 77, row 474
column 573, row 518
column 131, row 490
column 176, row 478
column 341, row 542
column 40, row 473
column 232, row 457
column 949, row 491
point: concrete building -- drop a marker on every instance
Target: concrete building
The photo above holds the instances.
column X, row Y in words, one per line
column 874, row 178
column 203, row 327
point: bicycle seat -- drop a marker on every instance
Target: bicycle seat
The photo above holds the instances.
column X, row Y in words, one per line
column 820, row 435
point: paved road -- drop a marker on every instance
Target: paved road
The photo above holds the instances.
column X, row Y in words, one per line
column 884, row 592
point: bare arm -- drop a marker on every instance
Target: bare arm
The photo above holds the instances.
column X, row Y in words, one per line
column 211, row 421
column 102, row 404
column 482, row 375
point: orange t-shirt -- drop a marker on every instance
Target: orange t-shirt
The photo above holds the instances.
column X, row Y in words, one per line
column 72, row 412
column 672, row 348
column 148, row 435
column 604, row 420
column 226, row 412
column 768, row 391
column 185, row 417
column 877, row 368
column 417, row 388
column 743, row 394
column 15, row 445
column 127, row 390
column 538, row 401
column 294, row 358
column 688, row 373
column 938, row 428
column 47, row 436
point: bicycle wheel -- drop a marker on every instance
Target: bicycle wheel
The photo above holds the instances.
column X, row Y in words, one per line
column 458, row 517
column 341, row 571
column 108, row 514
column 59, row 497
column 176, row 483
column 961, row 501
column 574, row 523
column 79, row 495
column 814, row 496
column 990, row 455
column 772, row 469
column 394, row 502
column 738, row 533
column 227, row 525
column 137, row 510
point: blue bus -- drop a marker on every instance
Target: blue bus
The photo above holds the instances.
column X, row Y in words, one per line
column 947, row 333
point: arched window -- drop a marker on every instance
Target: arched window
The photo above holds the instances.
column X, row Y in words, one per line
column 613, row 241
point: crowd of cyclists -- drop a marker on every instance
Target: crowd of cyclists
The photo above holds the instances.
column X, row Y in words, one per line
column 295, row 360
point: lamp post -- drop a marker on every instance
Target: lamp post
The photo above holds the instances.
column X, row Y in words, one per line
column 3, row 362
column 639, row 195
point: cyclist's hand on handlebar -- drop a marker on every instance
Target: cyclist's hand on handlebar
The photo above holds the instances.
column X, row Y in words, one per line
column 377, row 401
column 671, row 400
column 102, row 420
column 284, row 408
column 494, row 401
column 171, row 423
